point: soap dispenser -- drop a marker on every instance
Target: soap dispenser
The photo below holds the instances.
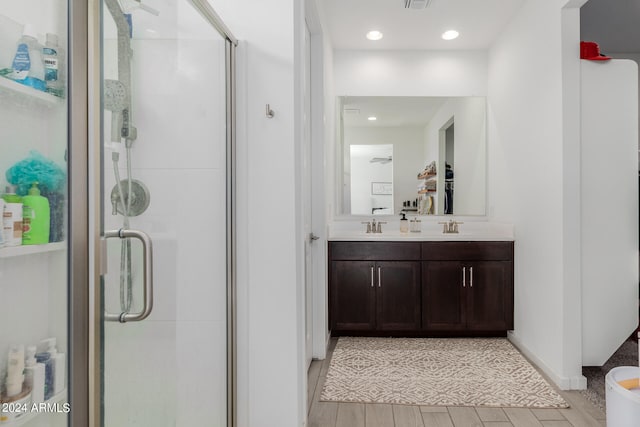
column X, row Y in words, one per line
column 404, row 224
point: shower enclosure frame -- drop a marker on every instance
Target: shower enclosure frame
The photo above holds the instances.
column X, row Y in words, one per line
column 78, row 258
column 86, row 324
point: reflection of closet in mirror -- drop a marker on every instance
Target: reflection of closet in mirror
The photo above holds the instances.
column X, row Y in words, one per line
column 447, row 167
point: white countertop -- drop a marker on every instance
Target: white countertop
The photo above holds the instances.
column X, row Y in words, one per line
column 470, row 231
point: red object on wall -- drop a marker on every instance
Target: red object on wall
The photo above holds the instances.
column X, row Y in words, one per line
column 591, row 51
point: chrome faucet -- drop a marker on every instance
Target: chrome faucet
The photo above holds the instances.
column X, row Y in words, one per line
column 450, row 227
column 373, row 226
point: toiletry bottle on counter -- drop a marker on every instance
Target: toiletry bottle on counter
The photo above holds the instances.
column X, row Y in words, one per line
column 12, row 217
column 34, row 375
column 404, row 224
column 35, row 216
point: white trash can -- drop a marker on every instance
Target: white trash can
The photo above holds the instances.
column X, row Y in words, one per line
column 623, row 405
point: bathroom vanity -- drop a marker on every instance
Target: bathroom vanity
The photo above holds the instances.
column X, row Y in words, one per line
column 420, row 287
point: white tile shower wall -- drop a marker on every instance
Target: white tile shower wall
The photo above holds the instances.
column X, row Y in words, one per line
column 180, row 156
column 201, row 388
column 140, row 387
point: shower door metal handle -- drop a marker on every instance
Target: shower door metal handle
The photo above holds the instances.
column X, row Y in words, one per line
column 147, row 272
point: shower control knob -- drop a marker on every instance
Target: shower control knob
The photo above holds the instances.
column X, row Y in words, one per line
column 140, row 197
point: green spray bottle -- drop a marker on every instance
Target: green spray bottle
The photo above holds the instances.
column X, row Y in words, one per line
column 35, row 217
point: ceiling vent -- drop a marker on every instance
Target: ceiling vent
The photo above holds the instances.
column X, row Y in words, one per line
column 416, row 4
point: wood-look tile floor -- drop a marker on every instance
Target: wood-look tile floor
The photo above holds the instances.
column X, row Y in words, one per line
column 332, row 414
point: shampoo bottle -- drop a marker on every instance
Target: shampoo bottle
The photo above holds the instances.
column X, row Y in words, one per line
column 36, row 226
column 34, row 375
column 12, row 217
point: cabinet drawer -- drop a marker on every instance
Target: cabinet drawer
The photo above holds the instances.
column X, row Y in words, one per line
column 374, row 251
column 467, row 251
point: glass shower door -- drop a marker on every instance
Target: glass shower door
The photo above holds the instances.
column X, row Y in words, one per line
column 164, row 217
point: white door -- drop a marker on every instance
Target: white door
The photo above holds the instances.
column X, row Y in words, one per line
column 307, row 197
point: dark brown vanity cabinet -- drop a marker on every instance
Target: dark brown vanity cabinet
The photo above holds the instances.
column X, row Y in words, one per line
column 381, row 293
column 467, row 296
column 427, row 288
column 467, row 286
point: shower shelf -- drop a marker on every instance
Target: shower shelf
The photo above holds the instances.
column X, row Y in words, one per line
column 13, row 251
column 8, row 86
column 59, row 399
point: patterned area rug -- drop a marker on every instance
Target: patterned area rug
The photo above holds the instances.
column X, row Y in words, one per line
column 435, row 371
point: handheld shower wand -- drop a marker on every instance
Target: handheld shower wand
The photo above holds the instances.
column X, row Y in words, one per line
column 116, row 101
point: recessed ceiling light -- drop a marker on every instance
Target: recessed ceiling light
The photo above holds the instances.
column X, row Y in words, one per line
column 374, row 35
column 372, row 118
column 450, row 35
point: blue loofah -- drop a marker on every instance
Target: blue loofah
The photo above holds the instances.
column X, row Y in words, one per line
column 36, row 168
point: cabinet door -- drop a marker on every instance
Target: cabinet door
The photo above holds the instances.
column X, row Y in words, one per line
column 398, row 295
column 353, row 295
column 490, row 296
column 443, row 302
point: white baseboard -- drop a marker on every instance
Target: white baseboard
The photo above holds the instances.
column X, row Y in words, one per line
column 578, row 382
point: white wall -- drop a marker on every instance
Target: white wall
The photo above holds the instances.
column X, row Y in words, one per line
column 469, row 151
column 407, row 155
column 410, row 73
column 270, row 341
column 526, row 182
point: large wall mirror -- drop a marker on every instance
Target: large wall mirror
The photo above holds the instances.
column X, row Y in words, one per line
column 421, row 155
